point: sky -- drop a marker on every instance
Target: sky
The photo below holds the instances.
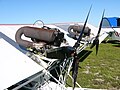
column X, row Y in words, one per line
column 56, row 11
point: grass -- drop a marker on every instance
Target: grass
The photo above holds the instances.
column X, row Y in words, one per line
column 101, row 71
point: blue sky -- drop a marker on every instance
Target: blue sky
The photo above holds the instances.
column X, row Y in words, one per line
column 54, row 11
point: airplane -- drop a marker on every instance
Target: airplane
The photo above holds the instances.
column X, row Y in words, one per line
column 41, row 56
column 112, row 26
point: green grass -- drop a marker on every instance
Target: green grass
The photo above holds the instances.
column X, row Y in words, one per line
column 101, row 71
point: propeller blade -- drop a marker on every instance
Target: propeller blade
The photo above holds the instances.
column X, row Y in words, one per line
column 93, row 44
column 97, row 46
column 100, row 24
column 96, row 41
column 76, row 59
column 98, row 34
column 80, row 37
column 75, row 71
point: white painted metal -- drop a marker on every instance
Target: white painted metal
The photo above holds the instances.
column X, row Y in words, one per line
column 15, row 65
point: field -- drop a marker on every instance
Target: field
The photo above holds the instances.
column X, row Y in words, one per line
column 101, row 71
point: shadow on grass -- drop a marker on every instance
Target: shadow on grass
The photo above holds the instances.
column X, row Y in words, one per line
column 84, row 54
column 115, row 43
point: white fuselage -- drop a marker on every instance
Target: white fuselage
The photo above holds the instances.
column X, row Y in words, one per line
column 114, row 33
column 15, row 65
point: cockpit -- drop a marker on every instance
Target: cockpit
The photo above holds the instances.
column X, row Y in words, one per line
column 112, row 22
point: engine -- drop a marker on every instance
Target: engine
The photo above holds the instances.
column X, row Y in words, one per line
column 75, row 30
column 42, row 38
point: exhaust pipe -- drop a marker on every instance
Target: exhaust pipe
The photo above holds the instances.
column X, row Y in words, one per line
column 41, row 34
column 75, row 30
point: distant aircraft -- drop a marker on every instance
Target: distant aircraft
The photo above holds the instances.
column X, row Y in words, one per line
column 112, row 27
column 40, row 57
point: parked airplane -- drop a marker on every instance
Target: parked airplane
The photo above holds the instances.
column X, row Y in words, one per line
column 40, row 57
column 112, row 26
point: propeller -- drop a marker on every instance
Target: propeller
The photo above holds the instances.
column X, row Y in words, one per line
column 80, row 36
column 96, row 40
column 76, row 58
